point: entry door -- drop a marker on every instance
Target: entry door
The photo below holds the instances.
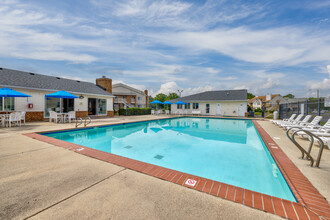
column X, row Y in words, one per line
column 91, row 106
column 207, row 110
column 241, row 109
column 218, row 109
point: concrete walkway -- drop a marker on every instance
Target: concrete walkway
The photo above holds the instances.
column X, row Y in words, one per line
column 42, row 181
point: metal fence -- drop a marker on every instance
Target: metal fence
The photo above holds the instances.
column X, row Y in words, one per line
column 309, row 107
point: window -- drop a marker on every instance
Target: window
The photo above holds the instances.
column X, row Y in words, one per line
column 139, row 98
column 187, row 106
column 195, row 105
column 179, row 106
column 139, row 106
column 52, row 104
column 10, row 101
column 102, row 106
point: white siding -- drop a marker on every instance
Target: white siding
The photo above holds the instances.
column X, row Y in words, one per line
column 38, row 101
column 228, row 108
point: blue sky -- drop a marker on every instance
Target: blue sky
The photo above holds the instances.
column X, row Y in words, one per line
column 263, row 46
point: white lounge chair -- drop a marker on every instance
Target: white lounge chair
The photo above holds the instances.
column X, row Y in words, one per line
column 286, row 119
column 153, row 112
column 295, row 121
column 167, row 112
column 313, row 124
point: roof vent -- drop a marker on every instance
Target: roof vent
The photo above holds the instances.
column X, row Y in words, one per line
column 104, row 77
column 32, row 74
column 78, row 81
column 58, row 78
column 1, row 68
column 227, row 93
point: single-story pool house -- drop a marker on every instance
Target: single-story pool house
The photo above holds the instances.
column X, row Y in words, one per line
column 94, row 99
column 222, row 103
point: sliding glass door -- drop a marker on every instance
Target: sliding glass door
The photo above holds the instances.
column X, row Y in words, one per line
column 55, row 104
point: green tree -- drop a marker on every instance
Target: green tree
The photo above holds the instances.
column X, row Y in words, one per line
column 250, row 95
column 161, row 97
column 172, row 95
column 290, row 96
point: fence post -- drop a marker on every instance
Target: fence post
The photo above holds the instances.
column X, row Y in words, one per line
column 319, row 107
column 298, row 108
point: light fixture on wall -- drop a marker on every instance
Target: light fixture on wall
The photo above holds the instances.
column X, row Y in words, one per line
column 81, row 97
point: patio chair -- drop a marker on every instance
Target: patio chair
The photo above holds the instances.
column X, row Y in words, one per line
column 185, row 112
column 153, row 112
column 23, row 117
column 71, row 116
column 53, row 116
column 2, row 119
column 159, row 112
column 167, row 112
column 14, row 118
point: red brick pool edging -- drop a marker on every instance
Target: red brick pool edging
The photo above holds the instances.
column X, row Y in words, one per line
column 312, row 205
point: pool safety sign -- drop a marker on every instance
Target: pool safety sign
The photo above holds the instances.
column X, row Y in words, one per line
column 191, row 182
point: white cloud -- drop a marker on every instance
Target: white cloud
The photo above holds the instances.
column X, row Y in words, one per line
column 170, row 87
column 286, row 45
column 271, row 83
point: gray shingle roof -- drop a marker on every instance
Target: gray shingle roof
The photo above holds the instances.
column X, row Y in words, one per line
column 221, row 95
column 22, row 79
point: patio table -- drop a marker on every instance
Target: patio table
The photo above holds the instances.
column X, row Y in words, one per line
column 62, row 116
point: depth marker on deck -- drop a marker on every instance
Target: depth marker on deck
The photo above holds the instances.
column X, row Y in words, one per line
column 191, row 182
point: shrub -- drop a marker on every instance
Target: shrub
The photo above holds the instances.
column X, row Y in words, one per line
column 257, row 110
column 135, row 111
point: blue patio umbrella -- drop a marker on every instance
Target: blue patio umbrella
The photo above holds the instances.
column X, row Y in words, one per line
column 62, row 95
column 167, row 103
column 7, row 92
column 156, row 102
column 180, row 103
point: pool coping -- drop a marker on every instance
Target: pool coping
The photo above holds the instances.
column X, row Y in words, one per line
column 312, row 205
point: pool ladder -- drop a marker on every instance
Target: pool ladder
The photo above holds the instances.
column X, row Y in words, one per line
column 86, row 122
column 303, row 151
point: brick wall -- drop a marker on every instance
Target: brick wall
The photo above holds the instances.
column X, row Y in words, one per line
column 110, row 113
column 81, row 114
column 34, row 116
column 105, row 83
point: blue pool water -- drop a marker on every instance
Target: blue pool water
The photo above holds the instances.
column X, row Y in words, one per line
column 225, row 150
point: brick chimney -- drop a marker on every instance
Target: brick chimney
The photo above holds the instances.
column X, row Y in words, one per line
column 105, row 83
column 147, row 98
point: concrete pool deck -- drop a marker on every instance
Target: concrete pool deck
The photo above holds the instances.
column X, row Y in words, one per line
column 39, row 180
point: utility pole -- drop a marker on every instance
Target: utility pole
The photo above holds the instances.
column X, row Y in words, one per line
column 180, row 91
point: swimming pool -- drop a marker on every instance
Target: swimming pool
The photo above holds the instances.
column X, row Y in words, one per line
column 226, row 150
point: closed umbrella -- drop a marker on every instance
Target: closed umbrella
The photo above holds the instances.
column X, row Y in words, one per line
column 61, row 95
column 7, row 92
